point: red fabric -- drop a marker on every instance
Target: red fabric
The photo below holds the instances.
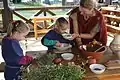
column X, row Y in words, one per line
column 87, row 26
column 25, row 60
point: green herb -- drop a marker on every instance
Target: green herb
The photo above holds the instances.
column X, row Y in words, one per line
column 54, row 72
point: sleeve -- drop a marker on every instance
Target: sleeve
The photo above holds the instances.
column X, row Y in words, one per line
column 48, row 42
column 74, row 23
column 17, row 49
column 25, row 60
column 103, row 31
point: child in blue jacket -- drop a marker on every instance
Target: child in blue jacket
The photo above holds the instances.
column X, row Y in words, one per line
column 54, row 37
column 12, row 52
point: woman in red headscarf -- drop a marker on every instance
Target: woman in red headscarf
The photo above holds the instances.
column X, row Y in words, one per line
column 87, row 23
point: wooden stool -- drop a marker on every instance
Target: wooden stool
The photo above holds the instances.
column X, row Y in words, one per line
column 44, row 28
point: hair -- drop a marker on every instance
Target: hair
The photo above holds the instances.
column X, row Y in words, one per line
column 16, row 26
column 61, row 21
column 88, row 3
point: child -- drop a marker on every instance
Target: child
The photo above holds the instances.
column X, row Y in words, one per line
column 12, row 52
column 54, row 37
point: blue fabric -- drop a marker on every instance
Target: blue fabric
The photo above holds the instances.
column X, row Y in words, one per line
column 53, row 35
column 12, row 53
column 12, row 73
column 48, row 42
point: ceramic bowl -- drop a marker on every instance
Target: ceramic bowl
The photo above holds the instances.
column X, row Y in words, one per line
column 67, row 56
column 67, row 36
column 63, row 47
column 97, row 68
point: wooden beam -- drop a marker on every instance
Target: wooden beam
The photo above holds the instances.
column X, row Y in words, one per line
column 36, row 14
column 25, row 19
column 39, row 12
column 50, row 12
column 6, row 15
column 39, row 8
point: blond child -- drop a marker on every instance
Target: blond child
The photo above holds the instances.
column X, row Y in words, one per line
column 54, row 37
column 12, row 52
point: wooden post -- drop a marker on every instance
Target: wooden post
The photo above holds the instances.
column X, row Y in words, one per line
column 6, row 15
column 45, row 22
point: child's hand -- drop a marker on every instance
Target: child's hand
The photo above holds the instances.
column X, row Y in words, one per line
column 25, row 60
column 58, row 44
column 28, row 59
column 74, row 35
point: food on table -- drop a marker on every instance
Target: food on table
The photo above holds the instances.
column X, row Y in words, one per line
column 57, row 60
column 94, row 45
column 98, row 69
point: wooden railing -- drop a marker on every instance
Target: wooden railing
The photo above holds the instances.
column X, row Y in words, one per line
column 41, row 10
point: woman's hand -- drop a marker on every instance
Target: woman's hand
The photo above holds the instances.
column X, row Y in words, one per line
column 78, row 41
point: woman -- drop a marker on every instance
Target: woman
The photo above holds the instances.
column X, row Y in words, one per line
column 88, row 23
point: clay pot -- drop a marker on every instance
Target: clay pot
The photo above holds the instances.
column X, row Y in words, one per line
column 95, row 55
column 91, row 60
column 115, row 45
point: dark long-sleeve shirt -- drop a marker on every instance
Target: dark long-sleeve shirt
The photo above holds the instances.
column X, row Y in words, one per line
column 11, row 51
column 52, row 37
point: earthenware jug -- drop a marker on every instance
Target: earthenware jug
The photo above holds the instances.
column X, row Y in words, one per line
column 115, row 45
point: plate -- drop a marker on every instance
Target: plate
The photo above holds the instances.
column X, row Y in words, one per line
column 67, row 36
column 63, row 47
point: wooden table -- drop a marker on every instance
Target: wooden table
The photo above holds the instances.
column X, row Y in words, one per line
column 112, row 74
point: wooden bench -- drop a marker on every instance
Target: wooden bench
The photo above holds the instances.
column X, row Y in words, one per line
column 44, row 29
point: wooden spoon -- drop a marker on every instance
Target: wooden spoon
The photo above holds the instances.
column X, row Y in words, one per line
column 99, row 48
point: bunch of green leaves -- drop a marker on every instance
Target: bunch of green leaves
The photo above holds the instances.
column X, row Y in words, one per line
column 55, row 72
column 46, row 59
column 49, row 71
